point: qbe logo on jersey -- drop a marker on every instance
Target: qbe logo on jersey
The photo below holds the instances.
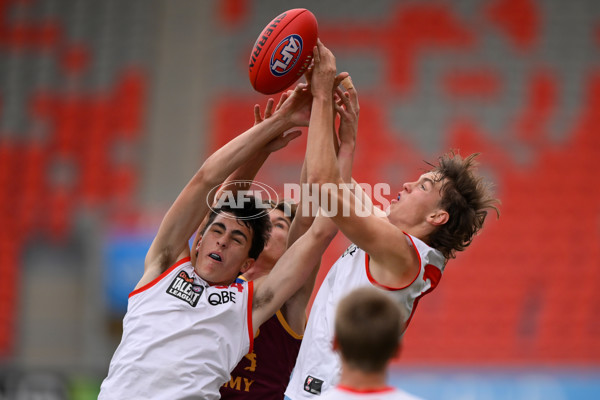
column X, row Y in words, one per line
column 286, row 55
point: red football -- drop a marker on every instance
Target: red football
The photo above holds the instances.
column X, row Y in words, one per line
column 283, row 51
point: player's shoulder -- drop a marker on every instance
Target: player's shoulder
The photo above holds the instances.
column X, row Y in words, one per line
column 426, row 253
column 152, row 276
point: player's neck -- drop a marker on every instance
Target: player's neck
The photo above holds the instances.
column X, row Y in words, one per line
column 360, row 380
column 258, row 269
column 421, row 231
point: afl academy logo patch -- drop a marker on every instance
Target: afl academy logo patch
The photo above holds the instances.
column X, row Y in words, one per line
column 184, row 289
column 286, row 54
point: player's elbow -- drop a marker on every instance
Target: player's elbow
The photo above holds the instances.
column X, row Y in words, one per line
column 316, row 178
column 322, row 173
column 323, row 233
column 208, row 170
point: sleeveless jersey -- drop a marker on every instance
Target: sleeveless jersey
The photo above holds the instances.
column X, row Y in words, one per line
column 181, row 337
column 265, row 373
column 346, row 393
column 318, row 366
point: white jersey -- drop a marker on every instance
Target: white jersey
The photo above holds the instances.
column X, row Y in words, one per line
column 181, row 338
column 346, row 393
column 318, row 366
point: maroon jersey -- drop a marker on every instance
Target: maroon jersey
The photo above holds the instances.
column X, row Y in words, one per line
column 265, row 373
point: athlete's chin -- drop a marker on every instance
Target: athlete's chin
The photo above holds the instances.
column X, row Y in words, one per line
column 213, row 275
column 206, row 272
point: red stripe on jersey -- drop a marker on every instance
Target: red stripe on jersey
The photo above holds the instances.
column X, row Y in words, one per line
column 434, row 275
column 158, row 278
column 373, row 281
column 384, row 389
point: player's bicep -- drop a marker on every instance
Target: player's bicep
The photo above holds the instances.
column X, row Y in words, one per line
column 372, row 233
column 365, row 201
column 289, row 274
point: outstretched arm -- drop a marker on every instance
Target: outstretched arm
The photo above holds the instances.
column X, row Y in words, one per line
column 190, row 207
column 347, row 107
column 241, row 179
column 246, row 173
column 392, row 259
column 289, row 274
column 293, row 275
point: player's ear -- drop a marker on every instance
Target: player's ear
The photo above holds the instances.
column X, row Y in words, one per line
column 247, row 264
column 335, row 344
column 439, row 217
column 197, row 241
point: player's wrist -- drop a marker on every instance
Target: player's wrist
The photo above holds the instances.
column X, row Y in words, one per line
column 279, row 122
column 322, row 98
column 347, row 144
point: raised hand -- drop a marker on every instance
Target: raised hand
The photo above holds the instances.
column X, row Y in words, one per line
column 284, row 138
column 296, row 105
column 258, row 118
column 347, row 107
column 323, row 78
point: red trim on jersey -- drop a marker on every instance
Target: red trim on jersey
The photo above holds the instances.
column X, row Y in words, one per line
column 434, row 275
column 249, row 315
column 374, row 282
column 158, row 278
column 384, row 389
column 284, row 324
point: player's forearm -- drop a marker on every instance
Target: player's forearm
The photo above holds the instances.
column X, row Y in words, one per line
column 191, row 205
column 346, row 161
column 302, row 221
column 295, row 307
column 320, row 152
column 288, row 276
column 243, row 148
column 245, row 173
column 249, row 169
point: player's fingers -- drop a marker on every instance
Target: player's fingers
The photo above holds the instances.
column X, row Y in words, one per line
column 316, row 55
column 350, row 91
column 308, row 74
column 339, row 78
column 269, row 108
column 300, row 87
column 339, row 109
column 282, row 100
column 289, row 136
column 347, row 83
column 337, row 96
column 344, row 97
column 349, row 104
column 257, row 117
column 353, row 100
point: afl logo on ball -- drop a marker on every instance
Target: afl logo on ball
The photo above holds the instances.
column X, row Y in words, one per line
column 286, row 55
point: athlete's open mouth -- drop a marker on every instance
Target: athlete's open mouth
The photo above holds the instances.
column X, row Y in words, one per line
column 215, row 256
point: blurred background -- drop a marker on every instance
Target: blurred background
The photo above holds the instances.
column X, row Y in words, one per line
column 108, row 107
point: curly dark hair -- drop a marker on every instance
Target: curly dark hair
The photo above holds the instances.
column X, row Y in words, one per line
column 466, row 197
column 255, row 218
